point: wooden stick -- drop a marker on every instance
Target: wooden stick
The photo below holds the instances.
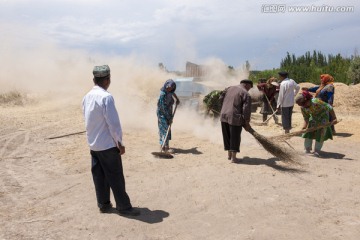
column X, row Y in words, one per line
column 168, row 130
column 270, row 117
column 70, row 134
column 297, row 133
column 289, row 144
column 214, row 111
column 274, row 112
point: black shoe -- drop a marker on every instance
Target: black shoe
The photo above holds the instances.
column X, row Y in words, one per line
column 105, row 208
column 129, row 212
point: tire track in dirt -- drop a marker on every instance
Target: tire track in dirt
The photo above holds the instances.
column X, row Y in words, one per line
column 18, row 151
column 6, row 145
column 11, row 154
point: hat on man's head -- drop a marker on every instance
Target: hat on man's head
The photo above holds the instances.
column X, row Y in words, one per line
column 247, row 81
column 101, row 71
column 283, row 73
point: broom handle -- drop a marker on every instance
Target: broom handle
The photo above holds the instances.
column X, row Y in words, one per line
column 168, row 130
column 269, row 103
column 214, row 110
column 270, row 117
column 307, row 130
column 274, row 112
column 70, row 134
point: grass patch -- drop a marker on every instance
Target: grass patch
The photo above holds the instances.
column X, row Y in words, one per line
column 12, row 98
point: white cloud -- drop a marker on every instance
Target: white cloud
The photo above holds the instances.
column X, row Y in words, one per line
column 232, row 30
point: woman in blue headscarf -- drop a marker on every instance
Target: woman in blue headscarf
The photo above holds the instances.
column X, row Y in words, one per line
column 165, row 111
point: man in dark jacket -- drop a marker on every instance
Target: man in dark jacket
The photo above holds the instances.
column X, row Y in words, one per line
column 235, row 114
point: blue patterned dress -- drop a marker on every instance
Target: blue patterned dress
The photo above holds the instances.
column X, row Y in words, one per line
column 326, row 94
column 164, row 114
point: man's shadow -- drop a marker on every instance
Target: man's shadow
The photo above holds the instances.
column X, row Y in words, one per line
column 187, row 151
column 146, row 215
column 271, row 162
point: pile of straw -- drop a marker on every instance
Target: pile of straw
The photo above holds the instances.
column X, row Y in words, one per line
column 283, row 154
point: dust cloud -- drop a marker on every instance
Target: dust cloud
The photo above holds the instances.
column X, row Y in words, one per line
column 38, row 67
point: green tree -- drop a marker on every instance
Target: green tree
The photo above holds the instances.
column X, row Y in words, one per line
column 354, row 70
column 256, row 75
column 308, row 67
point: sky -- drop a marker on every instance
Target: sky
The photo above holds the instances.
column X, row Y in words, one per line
column 173, row 32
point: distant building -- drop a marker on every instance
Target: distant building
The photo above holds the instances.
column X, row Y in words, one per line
column 194, row 70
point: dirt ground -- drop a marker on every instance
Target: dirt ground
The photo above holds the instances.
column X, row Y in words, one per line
column 47, row 190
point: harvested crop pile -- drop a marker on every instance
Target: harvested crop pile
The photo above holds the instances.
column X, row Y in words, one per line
column 347, row 98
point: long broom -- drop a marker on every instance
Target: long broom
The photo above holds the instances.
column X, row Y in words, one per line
column 298, row 133
column 272, row 115
column 272, row 109
column 163, row 154
column 276, row 150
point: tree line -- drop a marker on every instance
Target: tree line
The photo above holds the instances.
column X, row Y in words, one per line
column 309, row 67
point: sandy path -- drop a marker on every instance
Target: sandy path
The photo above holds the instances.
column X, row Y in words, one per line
column 47, row 190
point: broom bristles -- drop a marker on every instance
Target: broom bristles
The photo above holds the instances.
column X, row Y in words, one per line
column 281, row 153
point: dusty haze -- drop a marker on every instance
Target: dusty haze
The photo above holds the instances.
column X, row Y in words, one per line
column 41, row 70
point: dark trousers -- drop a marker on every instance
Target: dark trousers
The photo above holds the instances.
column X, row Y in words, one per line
column 286, row 115
column 107, row 172
column 231, row 137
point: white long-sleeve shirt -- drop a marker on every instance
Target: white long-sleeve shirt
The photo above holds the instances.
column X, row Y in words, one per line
column 288, row 89
column 103, row 128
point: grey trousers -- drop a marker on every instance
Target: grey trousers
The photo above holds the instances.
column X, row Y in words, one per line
column 286, row 115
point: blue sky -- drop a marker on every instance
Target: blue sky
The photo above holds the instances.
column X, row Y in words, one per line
column 173, row 32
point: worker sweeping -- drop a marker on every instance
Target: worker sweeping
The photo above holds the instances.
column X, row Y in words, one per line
column 269, row 89
column 213, row 102
column 165, row 113
column 315, row 113
column 235, row 114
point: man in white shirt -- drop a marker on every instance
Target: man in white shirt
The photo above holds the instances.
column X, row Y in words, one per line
column 288, row 89
column 104, row 136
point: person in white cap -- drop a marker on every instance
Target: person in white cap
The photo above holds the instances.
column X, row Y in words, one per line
column 104, row 136
column 286, row 100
